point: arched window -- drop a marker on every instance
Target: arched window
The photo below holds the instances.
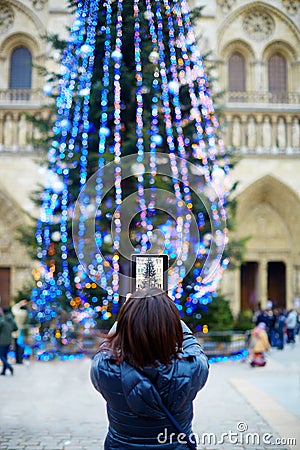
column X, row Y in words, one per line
column 236, row 73
column 277, row 76
column 20, row 70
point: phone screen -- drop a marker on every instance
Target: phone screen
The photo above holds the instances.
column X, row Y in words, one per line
column 149, row 271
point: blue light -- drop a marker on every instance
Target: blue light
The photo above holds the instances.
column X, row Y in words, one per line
column 117, row 55
column 104, row 131
column 157, row 139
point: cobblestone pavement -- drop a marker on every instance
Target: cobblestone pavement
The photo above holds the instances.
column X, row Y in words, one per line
column 53, row 406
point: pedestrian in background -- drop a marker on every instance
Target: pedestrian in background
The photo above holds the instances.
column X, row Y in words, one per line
column 7, row 326
column 20, row 313
column 280, row 328
column 272, row 313
column 149, row 370
column 263, row 317
column 291, row 324
column 257, row 311
column 259, row 344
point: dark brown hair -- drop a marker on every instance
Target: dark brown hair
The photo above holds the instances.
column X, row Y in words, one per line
column 148, row 329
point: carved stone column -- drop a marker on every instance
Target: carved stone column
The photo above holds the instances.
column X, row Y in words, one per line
column 22, row 131
column 288, row 120
column 3, row 80
column 236, row 132
column 274, row 133
column 257, row 78
column 1, row 129
column 251, row 134
column 8, row 131
column 296, row 283
column 15, row 129
column 264, row 79
column 290, row 295
column 230, row 286
column 228, row 134
column 295, row 74
column 30, row 133
column 263, row 282
column 258, row 131
column 244, row 132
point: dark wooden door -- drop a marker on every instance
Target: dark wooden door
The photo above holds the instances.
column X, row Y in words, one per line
column 249, row 288
column 4, row 287
column 277, row 284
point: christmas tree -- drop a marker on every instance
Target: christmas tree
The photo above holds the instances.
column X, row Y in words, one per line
column 149, row 275
column 135, row 165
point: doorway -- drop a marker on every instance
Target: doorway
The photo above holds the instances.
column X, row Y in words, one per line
column 4, row 287
column 249, row 285
column 277, row 284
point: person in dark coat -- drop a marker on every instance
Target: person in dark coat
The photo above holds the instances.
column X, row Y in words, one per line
column 149, row 356
column 263, row 317
column 280, row 329
column 7, row 326
column 20, row 312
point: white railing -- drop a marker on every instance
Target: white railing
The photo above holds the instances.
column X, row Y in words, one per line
column 257, row 131
column 27, row 96
column 22, row 97
column 255, row 97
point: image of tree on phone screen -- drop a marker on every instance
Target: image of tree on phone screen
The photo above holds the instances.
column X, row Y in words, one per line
column 150, row 278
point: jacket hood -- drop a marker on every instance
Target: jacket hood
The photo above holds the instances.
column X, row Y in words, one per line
column 173, row 382
column 141, row 397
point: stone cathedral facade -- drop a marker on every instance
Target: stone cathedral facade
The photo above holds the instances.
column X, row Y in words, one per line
column 256, row 46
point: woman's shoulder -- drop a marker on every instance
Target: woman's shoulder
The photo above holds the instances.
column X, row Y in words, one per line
column 195, row 367
column 104, row 359
column 104, row 369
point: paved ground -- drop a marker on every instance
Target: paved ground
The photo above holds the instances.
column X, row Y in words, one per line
column 52, row 406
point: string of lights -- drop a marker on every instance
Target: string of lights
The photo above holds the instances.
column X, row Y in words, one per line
column 117, row 58
column 173, row 112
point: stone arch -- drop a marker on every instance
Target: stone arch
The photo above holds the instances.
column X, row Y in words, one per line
column 18, row 39
column 9, row 209
column 14, row 258
column 28, row 35
column 282, row 47
column 245, row 50
column 286, row 51
column 268, row 214
column 21, row 39
column 279, row 201
column 268, row 8
column 240, row 46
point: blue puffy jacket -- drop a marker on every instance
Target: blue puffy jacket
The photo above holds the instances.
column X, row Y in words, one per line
column 135, row 418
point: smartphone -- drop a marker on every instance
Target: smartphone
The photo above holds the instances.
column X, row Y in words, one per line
column 149, row 271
